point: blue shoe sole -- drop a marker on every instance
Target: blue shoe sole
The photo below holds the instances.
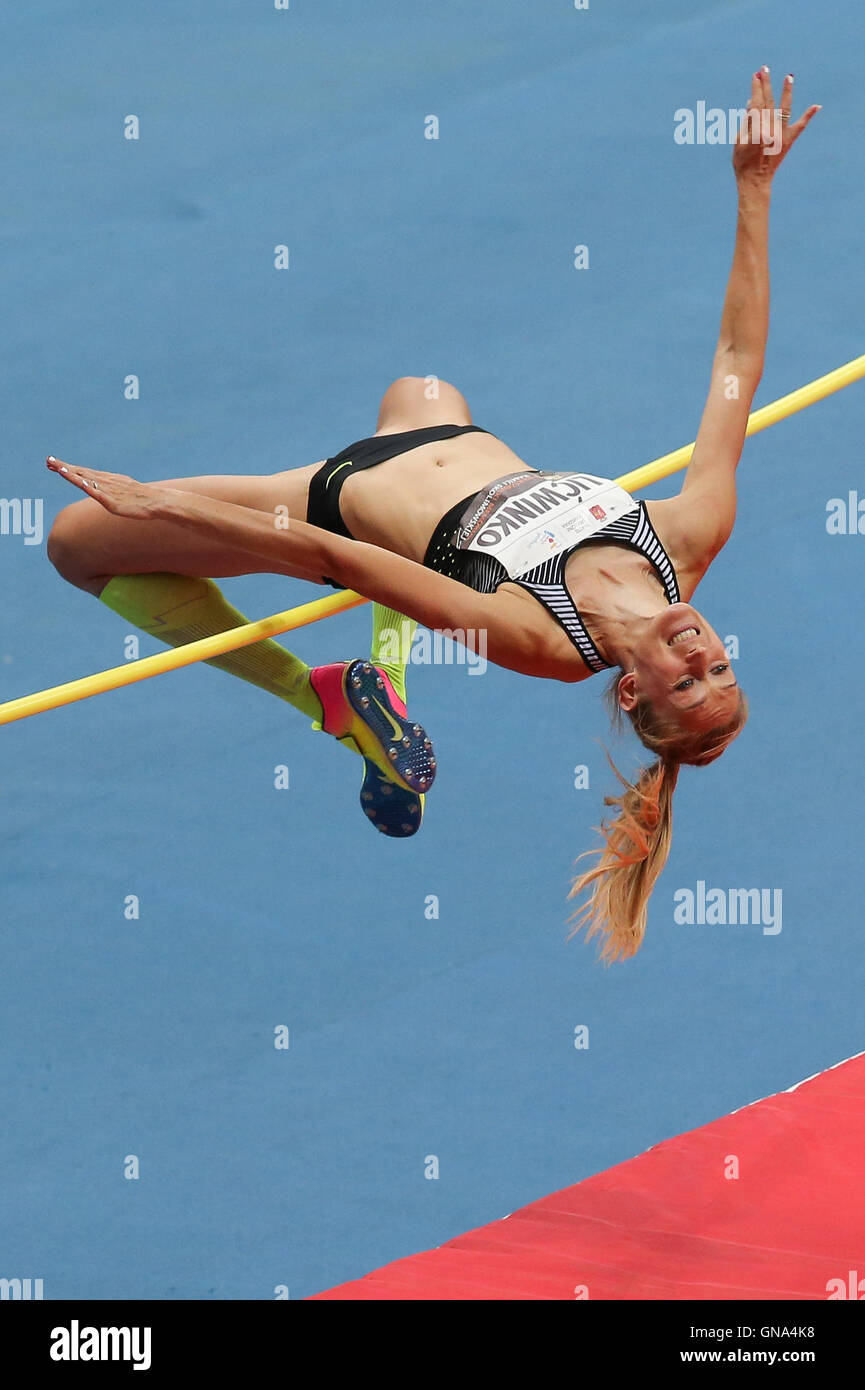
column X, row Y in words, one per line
column 390, row 808
column 408, row 749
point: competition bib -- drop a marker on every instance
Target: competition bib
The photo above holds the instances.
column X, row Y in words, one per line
column 526, row 518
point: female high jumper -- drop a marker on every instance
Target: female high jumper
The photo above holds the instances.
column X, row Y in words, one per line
column 562, row 573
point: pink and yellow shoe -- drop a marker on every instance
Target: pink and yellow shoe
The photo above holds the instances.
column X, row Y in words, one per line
column 361, row 705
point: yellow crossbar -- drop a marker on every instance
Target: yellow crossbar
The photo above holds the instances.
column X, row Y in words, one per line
column 176, row 657
column 320, row 608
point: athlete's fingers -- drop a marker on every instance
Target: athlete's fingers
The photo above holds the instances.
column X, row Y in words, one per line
column 73, row 472
column 68, row 471
column 76, row 477
column 795, row 130
column 766, row 85
column 109, row 489
column 757, row 88
column 787, row 97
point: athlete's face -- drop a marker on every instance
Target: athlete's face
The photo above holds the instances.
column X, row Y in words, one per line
column 681, row 667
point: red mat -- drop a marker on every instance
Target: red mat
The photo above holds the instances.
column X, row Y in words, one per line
column 670, row 1225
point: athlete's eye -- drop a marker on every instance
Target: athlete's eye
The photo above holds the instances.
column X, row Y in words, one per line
column 716, row 671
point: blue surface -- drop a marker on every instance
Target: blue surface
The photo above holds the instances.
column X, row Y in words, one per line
column 409, row 1037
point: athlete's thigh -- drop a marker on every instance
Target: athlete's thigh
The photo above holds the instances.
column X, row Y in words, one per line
column 87, row 541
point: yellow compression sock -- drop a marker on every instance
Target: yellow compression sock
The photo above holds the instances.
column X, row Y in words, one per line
column 178, row 609
column 392, row 636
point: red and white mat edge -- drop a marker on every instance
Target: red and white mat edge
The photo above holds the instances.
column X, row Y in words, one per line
column 764, row 1203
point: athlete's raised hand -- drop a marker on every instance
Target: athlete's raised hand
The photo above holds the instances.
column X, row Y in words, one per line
column 117, row 493
column 767, row 135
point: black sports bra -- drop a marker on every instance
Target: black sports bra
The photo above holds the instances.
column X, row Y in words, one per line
column 546, row 582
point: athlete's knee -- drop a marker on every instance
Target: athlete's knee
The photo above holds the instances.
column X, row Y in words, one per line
column 403, row 389
column 68, row 546
column 423, row 386
column 423, row 397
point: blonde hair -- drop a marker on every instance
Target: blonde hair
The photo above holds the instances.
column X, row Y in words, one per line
column 637, row 842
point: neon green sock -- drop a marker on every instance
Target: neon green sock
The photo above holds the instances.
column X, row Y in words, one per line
column 178, row 609
column 392, row 636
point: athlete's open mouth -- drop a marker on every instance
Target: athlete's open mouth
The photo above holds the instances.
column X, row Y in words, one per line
column 685, row 634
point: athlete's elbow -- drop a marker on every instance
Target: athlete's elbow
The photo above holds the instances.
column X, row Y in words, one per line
column 741, row 367
column 345, row 563
column 525, row 652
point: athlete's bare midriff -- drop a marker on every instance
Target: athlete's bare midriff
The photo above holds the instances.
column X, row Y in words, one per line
column 398, row 504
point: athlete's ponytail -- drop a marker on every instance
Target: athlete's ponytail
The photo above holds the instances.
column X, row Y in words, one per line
column 637, row 842
column 636, row 846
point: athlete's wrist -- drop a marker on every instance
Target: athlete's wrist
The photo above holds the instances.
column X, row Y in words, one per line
column 183, row 508
column 754, row 191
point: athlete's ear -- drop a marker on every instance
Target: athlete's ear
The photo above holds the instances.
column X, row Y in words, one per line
column 626, row 691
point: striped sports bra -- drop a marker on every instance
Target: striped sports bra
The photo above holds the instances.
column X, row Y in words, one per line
column 446, row 553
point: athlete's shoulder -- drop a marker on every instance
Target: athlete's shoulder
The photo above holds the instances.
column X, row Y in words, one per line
column 689, row 546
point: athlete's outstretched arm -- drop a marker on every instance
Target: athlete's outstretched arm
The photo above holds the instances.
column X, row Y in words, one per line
column 708, row 497
column 510, row 638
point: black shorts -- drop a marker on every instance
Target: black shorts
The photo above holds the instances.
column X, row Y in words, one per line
column 323, row 504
